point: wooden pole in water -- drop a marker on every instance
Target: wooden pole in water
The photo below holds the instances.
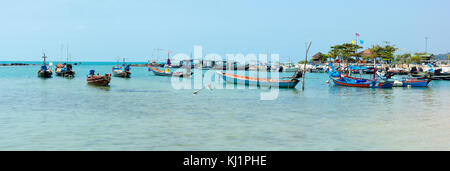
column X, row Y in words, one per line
column 304, row 66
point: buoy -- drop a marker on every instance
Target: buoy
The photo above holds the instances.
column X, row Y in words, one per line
column 327, row 81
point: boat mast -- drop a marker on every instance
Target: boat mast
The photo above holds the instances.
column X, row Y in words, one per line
column 45, row 63
column 157, row 52
column 62, row 52
column 67, row 55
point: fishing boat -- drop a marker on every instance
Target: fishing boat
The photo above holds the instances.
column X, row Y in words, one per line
column 64, row 70
column 283, row 82
column 45, row 72
column 345, row 80
column 119, row 71
column 362, row 83
column 169, row 73
column 413, row 82
column 405, row 81
column 98, row 80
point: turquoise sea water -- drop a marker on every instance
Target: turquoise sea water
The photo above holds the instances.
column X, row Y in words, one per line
column 146, row 113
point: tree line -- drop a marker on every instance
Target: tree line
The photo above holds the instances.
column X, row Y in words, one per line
column 349, row 52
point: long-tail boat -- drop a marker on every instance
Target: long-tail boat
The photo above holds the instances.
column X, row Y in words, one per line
column 283, row 82
column 98, row 80
column 406, row 81
column 45, row 72
column 415, row 82
column 169, row 73
column 344, row 80
column 119, row 71
column 64, row 70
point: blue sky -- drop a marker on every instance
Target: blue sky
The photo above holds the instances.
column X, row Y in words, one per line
column 101, row 30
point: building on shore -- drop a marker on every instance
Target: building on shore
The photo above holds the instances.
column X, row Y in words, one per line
column 317, row 58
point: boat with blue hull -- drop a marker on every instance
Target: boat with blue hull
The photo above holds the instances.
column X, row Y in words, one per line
column 343, row 80
column 291, row 82
column 361, row 83
column 414, row 82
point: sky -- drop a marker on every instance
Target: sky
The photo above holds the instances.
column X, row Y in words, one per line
column 102, row 30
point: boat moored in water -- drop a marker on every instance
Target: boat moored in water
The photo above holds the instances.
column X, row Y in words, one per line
column 282, row 82
column 45, row 72
column 119, row 71
column 415, row 82
column 64, row 70
column 98, row 80
column 169, row 73
column 345, row 80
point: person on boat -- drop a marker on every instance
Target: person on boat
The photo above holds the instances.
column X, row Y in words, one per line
column 169, row 64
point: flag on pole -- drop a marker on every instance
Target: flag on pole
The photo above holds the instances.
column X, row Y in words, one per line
column 357, row 34
column 361, row 41
column 353, row 42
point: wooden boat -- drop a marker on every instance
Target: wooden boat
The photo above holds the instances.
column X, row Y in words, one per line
column 45, row 72
column 343, row 80
column 168, row 73
column 64, row 70
column 268, row 82
column 119, row 71
column 98, row 80
column 414, row 82
column 361, row 83
column 155, row 64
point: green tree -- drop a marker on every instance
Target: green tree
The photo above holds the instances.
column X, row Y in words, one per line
column 385, row 53
column 324, row 58
column 344, row 51
column 303, row 62
column 404, row 58
column 417, row 57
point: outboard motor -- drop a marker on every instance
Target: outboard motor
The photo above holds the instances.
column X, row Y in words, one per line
column 91, row 72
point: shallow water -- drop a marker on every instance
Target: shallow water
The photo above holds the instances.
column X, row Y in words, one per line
column 146, row 113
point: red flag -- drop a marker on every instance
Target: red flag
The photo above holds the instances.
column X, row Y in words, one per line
column 357, row 34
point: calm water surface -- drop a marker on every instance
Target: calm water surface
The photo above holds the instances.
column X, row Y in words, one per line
column 146, row 113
